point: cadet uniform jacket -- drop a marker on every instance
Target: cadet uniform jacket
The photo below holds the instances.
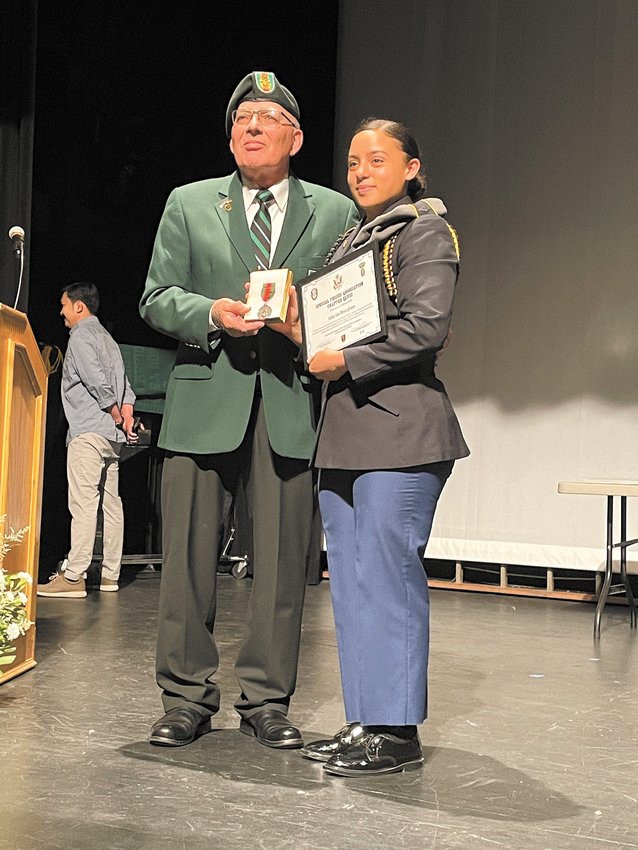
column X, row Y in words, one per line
column 390, row 411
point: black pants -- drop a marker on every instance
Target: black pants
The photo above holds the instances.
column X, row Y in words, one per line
column 196, row 493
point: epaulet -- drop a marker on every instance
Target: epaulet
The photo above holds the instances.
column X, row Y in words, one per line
column 340, row 240
column 436, row 206
column 433, row 205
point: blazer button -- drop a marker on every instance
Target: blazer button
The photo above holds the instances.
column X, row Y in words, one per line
column 252, row 354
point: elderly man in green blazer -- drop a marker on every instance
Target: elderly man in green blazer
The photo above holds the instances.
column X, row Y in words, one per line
column 236, row 414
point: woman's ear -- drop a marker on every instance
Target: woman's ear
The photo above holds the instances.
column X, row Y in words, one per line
column 413, row 168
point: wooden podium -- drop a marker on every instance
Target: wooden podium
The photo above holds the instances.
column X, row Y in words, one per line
column 23, row 391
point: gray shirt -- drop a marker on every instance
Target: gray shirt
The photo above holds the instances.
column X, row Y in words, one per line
column 93, row 380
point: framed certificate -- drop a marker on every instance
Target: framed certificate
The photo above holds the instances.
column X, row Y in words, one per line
column 342, row 305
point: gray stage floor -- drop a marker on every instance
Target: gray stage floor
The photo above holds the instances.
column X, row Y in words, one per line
column 532, row 741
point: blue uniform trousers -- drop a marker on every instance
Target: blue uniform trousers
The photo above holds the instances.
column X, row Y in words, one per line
column 377, row 524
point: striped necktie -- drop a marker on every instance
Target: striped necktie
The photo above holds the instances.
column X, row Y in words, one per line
column 261, row 229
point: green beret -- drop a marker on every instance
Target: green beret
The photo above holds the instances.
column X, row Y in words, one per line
column 260, row 85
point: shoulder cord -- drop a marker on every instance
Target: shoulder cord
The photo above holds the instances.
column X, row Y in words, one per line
column 388, row 270
column 387, row 261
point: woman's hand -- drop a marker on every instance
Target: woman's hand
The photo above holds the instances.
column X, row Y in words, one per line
column 291, row 325
column 328, row 365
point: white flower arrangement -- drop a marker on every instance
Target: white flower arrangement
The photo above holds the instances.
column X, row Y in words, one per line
column 14, row 621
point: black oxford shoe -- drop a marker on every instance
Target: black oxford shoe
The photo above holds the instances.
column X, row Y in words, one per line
column 178, row 727
column 376, row 753
column 328, row 747
column 272, row 729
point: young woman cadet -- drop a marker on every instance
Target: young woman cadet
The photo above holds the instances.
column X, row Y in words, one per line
column 387, row 441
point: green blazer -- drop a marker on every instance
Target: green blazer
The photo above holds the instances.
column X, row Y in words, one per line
column 203, row 251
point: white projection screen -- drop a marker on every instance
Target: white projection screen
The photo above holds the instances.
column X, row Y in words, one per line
column 528, row 120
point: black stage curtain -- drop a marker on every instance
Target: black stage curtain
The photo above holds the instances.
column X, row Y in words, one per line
column 17, row 90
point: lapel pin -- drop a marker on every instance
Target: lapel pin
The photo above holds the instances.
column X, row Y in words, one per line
column 227, row 205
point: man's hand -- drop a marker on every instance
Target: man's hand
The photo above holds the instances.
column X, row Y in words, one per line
column 327, row 365
column 116, row 415
column 123, row 418
column 228, row 315
column 128, row 424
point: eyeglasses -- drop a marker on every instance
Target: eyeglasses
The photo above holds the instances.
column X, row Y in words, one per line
column 266, row 117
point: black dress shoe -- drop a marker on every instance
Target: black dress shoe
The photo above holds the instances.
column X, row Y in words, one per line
column 328, row 747
column 376, row 753
column 272, row 729
column 178, row 727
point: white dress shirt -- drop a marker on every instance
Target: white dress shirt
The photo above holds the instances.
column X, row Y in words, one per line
column 277, row 210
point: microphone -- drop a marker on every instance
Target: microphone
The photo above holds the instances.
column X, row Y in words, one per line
column 16, row 235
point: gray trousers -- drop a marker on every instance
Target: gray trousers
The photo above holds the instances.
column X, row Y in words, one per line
column 92, row 465
column 197, row 492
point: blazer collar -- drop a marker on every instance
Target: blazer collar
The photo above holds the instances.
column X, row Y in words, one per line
column 299, row 211
column 230, row 209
